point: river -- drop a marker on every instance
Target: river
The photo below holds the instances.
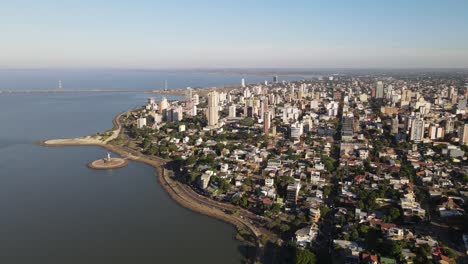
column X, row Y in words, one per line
column 56, row 210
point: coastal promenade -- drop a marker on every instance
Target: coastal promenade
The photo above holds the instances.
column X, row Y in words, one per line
column 182, row 194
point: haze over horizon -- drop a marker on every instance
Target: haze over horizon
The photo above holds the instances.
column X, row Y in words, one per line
column 240, row 34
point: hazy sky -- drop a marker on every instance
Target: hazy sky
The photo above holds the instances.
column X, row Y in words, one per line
column 237, row 33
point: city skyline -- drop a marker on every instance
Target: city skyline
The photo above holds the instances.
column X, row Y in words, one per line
column 207, row 34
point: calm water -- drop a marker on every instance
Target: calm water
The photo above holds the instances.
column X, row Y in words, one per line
column 124, row 79
column 56, row 210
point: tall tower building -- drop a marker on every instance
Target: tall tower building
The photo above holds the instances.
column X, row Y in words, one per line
column 291, row 92
column 417, row 130
column 300, row 92
column 379, row 91
column 395, row 124
column 196, row 99
column 163, row 105
column 405, row 96
column 389, row 92
column 232, row 111
column 263, row 106
column 189, row 94
column 212, row 111
column 243, row 82
column 463, row 134
column 449, row 124
column 266, row 122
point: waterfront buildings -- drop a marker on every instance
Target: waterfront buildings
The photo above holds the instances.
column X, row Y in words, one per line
column 369, row 163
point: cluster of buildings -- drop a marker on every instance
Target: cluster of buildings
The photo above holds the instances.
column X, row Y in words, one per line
column 369, row 154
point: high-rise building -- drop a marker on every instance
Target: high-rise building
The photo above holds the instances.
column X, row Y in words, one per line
column 194, row 111
column 163, row 105
column 436, row 132
column 292, row 192
column 275, row 79
column 173, row 114
column 389, row 92
column 449, row 125
column 243, row 82
column 463, row 134
column 247, row 93
column 300, row 92
column 196, row 99
column 461, row 106
column 440, row 132
column 405, row 97
column 263, row 107
column 232, row 111
column 347, row 129
column 379, row 91
column 395, row 124
column 297, row 130
column 212, row 111
column 188, row 94
column 453, row 95
column 266, row 122
column 417, row 130
column 372, row 92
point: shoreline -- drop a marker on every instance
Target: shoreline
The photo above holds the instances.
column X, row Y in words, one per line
column 182, row 195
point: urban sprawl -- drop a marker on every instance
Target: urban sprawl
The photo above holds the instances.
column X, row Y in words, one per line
column 340, row 169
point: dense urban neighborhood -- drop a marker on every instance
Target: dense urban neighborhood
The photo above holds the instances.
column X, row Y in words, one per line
column 335, row 169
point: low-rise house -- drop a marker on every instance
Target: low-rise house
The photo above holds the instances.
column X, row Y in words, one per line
column 204, row 179
column 306, row 235
column 314, row 213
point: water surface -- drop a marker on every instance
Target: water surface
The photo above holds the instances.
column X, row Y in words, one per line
column 56, row 210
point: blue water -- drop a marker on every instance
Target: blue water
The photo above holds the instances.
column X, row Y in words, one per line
column 56, row 210
column 125, row 79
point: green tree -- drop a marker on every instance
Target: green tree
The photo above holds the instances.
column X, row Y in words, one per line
column 284, row 228
column 421, row 254
column 324, row 210
column 354, row 235
column 146, row 143
column 394, row 213
column 304, row 256
column 328, row 162
column 248, row 121
column 276, row 208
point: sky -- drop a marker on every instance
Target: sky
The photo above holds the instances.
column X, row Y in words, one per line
column 153, row 34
